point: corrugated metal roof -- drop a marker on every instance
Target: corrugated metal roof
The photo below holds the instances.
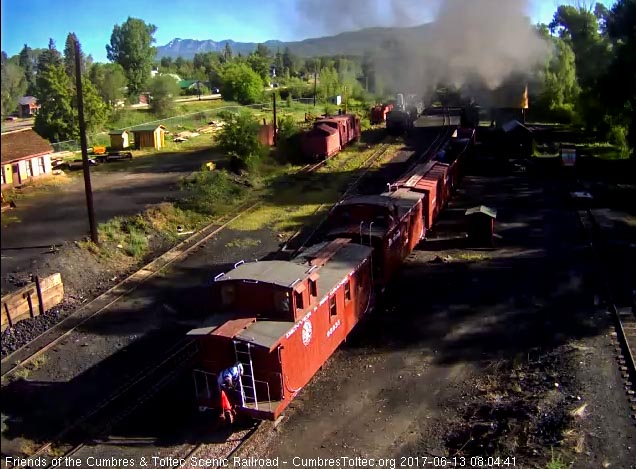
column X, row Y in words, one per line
column 275, row 272
column 342, row 264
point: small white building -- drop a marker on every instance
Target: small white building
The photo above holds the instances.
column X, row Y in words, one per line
column 25, row 155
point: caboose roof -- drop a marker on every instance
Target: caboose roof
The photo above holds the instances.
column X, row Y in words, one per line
column 344, row 261
column 265, row 333
column 279, row 273
column 379, row 200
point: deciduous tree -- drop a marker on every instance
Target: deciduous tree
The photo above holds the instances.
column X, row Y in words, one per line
column 240, row 83
column 163, row 91
column 131, row 47
column 109, row 80
column 239, row 139
column 14, row 85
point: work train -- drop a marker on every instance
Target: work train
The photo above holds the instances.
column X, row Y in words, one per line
column 329, row 135
column 281, row 320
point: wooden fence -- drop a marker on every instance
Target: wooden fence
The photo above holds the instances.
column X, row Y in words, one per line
column 30, row 301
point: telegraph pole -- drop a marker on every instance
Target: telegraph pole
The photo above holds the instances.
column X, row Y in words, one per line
column 84, row 145
column 275, row 122
column 315, row 85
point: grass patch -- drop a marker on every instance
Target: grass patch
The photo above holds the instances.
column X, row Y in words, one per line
column 556, row 462
column 243, row 243
column 9, row 219
column 472, row 256
column 208, row 194
column 296, row 200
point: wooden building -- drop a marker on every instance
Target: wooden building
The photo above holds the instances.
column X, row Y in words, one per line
column 28, row 106
column 119, row 139
column 25, row 155
column 149, row 136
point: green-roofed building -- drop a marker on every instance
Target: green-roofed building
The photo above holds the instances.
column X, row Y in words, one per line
column 187, row 84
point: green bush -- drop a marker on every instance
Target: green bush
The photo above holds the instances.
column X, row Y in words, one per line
column 288, row 141
column 209, row 192
column 331, row 109
column 239, row 139
column 617, row 136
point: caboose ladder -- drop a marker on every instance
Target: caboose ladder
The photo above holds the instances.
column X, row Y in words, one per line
column 243, row 353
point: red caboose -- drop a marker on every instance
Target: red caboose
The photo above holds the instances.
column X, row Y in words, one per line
column 391, row 223
column 320, row 143
column 281, row 321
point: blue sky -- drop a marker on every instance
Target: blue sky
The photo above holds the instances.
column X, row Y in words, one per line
column 34, row 21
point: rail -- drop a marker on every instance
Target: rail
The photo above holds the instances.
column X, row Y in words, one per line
column 626, row 335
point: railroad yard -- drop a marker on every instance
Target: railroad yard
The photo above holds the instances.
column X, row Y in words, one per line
column 507, row 351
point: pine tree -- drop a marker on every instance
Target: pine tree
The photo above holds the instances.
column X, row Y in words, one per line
column 69, row 56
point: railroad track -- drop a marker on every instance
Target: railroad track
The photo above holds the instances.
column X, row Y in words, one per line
column 121, row 403
column 224, row 451
column 624, row 317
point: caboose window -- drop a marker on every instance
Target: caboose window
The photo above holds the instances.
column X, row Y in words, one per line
column 347, row 290
column 313, row 288
column 299, row 300
column 281, row 301
column 332, row 306
column 227, row 295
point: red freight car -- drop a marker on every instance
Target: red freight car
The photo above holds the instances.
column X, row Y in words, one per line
column 320, row 143
column 419, row 180
column 379, row 113
column 391, row 223
column 347, row 127
column 288, row 318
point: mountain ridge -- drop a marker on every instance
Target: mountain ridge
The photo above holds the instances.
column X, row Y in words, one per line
column 347, row 43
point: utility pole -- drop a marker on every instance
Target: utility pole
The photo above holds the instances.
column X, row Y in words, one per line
column 315, row 85
column 275, row 121
column 84, row 146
